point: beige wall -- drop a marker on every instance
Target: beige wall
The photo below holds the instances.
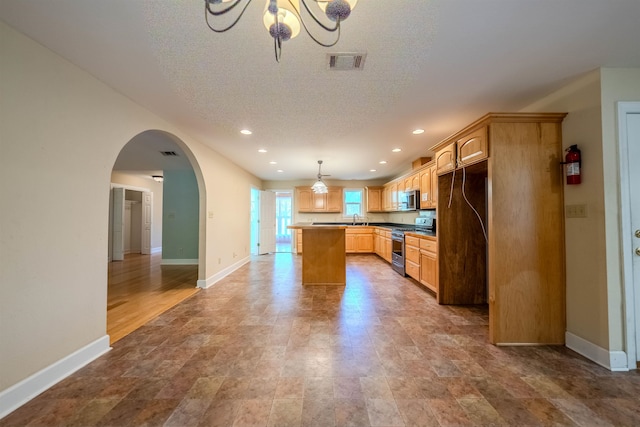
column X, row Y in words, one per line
column 61, row 131
column 594, row 287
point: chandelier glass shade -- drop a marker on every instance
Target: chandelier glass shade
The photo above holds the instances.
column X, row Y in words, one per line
column 284, row 19
column 319, row 187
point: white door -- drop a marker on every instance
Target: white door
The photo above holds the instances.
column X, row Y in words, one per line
column 629, row 133
column 145, row 238
column 117, row 249
column 267, row 240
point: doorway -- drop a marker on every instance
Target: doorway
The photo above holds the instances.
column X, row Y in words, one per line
column 629, row 150
column 283, row 220
column 155, row 179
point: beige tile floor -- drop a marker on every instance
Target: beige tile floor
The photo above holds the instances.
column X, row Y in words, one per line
column 258, row 349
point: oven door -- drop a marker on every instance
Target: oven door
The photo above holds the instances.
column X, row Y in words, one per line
column 397, row 253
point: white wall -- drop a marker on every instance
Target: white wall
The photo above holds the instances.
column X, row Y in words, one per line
column 61, row 131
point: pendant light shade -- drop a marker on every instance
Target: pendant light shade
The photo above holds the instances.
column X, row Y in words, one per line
column 319, row 187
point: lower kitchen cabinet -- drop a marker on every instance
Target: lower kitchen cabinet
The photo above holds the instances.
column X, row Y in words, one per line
column 359, row 240
column 421, row 261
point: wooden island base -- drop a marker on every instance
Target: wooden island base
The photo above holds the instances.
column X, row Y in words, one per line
column 324, row 258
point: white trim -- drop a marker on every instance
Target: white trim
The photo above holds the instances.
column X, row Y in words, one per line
column 22, row 392
column 631, row 295
column 156, row 250
column 612, row 360
column 179, row 261
column 204, row 284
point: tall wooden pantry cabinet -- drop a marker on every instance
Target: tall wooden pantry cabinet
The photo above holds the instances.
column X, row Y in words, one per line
column 501, row 224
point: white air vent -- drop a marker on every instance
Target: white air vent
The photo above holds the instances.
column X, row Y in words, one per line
column 346, row 61
column 169, row 153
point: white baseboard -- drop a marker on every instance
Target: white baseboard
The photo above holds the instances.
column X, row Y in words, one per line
column 179, row 262
column 204, row 284
column 22, row 392
column 612, row 360
column 156, row 250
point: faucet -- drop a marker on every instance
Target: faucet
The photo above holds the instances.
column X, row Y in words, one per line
column 355, row 216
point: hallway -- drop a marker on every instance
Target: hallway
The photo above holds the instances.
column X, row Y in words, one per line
column 258, row 349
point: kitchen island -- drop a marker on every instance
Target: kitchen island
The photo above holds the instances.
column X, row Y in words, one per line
column 324, row 259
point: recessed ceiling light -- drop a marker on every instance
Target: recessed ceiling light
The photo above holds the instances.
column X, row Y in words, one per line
column 372, row 170
column 383, row 162
column 262, row 150
column 273, row 163
column 397, row 150
column 280, row 171
column 246, row 132
column 418, row 131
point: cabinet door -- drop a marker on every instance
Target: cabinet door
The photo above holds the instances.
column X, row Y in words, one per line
column 446, row 159
column 319, row 202
column 334, row 200
column 434, row 188
column 394, row 196
column 415, row 181
column 349, row 242
column 425, row 189
column 473, row 147
column 428, row 270
column 304, row 199
column 364, row 243
column 374, row 201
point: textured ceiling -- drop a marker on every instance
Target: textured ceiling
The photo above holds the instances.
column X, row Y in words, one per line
column 432, row 64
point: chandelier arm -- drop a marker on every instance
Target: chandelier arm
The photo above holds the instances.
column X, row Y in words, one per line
column 330, row 29
column 207, row 6
column 207, row 11
column 318, row 41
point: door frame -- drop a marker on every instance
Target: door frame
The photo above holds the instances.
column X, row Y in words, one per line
column 124, row 187
column 631, row 291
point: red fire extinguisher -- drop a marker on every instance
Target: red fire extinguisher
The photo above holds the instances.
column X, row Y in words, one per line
column 572, row 165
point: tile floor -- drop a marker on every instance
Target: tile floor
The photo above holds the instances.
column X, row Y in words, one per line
column 258, row 349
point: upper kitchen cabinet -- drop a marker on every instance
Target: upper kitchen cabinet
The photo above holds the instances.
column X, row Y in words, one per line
column 428, row 185
column 374, row 199
column 472, row 148
column 445, row 160
column 308, row 201
column 508, row 251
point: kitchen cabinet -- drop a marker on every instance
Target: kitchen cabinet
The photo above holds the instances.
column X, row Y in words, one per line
column 412, row 256
column 426, row 189
column 519, row 267
column 412, row 182
column 382, row 243
column 359, row 239
column 308, row 201
column 374, row 199
column 299, row 241
column 472, row 148
column 445, row 160
column 428, row 264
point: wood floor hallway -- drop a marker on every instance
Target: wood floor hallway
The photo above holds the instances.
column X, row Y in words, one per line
column 259, row 349
column 140, row 288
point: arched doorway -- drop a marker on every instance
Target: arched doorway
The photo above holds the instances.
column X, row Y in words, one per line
column 155, row 202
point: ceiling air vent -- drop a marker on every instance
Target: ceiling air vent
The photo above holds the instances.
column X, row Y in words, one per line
column 169, row 153
column 346, row 61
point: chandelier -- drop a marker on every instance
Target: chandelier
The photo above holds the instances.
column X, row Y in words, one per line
column 282, row 18
column 319, row 186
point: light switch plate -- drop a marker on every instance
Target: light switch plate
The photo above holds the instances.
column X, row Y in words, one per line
column 576, row 211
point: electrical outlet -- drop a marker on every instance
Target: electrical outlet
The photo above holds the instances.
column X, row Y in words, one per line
column 576, row 211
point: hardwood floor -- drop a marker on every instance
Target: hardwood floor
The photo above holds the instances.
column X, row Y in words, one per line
column 140, row 289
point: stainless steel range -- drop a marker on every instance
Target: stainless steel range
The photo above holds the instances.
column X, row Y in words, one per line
column 422, row 224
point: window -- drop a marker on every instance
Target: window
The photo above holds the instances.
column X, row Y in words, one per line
column 353, row 202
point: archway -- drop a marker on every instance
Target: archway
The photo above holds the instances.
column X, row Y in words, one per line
column 143, row 284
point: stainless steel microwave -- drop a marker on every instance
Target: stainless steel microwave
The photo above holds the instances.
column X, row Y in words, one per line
column 409, row 200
